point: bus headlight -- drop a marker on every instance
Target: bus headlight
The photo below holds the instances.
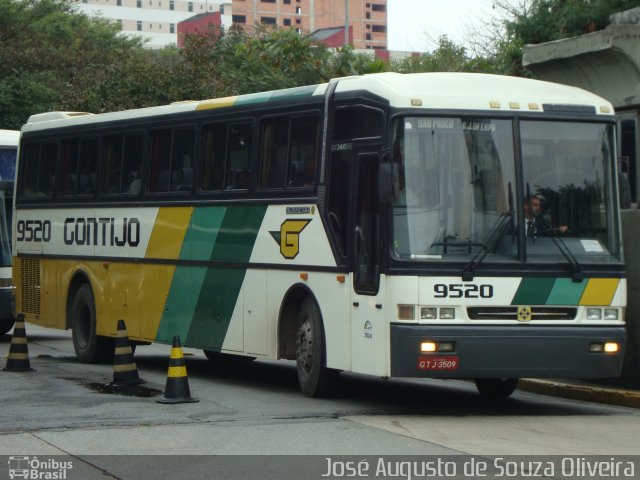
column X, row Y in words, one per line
column 427, row 313
column 447, row 313
column 611, row 314
column 594, row 314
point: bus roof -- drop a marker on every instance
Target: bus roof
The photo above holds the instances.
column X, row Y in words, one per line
column 9, row 138
column 457, row 91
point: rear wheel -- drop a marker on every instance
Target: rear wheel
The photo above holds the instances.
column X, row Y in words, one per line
column 496, row 387
column 315, row 379
column 89, row 347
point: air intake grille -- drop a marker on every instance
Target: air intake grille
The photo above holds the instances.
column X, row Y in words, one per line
column 30, row 285
column 511, row 313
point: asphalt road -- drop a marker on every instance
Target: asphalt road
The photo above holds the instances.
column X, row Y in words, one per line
column 255, row 408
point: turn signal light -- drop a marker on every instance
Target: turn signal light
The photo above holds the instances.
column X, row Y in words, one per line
column 406, row 312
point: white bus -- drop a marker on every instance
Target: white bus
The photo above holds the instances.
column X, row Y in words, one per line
column 8, row 152
column 374, row 224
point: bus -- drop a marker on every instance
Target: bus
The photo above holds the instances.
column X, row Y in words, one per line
column 372, row 224
column 8, row 153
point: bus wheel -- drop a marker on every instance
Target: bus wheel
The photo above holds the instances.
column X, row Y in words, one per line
column 6, row 325
column 89, row 347
column 496, row 387
column 316, row 380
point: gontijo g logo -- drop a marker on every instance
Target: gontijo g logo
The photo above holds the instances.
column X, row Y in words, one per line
column 289, row 237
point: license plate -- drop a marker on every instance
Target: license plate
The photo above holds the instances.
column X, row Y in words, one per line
column 438, row 363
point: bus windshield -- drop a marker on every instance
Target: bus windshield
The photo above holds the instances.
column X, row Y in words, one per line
column 7, row 176
column 457, row 190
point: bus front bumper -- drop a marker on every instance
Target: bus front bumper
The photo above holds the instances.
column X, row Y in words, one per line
column 505, row 351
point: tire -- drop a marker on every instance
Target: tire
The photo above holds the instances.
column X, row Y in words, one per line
column 496, row 387
column 315, row 379
column 89, row 347
column 6, row 325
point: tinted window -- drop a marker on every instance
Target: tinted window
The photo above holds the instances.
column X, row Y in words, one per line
column 39, row 170
column 171, row 161
column 357, row 122
column 238, row 174
column 214, row 152
column 289, row 147
column 122, row 164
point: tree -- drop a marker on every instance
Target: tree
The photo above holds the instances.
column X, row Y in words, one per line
column 448, row 57
column 52, row 58
column 539, row 21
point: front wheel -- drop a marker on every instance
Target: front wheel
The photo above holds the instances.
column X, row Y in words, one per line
column 496, row 387
column 89, row 347
column 315, row 379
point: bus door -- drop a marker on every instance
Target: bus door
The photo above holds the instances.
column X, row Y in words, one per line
column 368, row 332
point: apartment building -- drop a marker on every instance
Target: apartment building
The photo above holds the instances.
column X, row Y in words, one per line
column 367, row 18
column 157, row 20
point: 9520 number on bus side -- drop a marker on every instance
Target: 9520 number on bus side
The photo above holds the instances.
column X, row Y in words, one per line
column 33, row 231
column 459, row 290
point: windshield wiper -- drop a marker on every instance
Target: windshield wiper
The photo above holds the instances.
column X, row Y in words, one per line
column 495, row 233
column 557, row 240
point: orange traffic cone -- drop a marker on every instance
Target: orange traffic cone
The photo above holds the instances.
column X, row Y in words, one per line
column 177, row 388
column 125, row 371
column 18, row 359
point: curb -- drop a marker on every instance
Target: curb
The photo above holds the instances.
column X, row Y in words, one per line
column 585, row 393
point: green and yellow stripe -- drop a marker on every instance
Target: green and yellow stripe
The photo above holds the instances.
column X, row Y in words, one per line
column 563, row 291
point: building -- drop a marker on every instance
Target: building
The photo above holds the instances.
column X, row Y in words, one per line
column 157, row 20
column 367, row 18
column 199, row 23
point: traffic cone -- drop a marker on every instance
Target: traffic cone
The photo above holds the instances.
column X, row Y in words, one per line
column 18, row 359
column 125, row 371
column 177, row 388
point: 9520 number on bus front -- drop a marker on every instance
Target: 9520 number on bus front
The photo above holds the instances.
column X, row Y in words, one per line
column 438, row 363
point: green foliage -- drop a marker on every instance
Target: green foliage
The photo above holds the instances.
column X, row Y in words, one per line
column 53, row 58
column 448, row 57
column 540, row 21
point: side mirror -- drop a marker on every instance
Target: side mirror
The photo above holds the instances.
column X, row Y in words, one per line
column 388, row 182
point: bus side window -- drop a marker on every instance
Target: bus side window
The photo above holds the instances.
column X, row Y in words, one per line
column 112, row 161
column 238, row 162
column 69, row 167
column 182, row 161
column 87, row 161
column 160, row 161
column 301, row 171
column 357, row 122
column 132, row 164
column 214, row 150
column 30, row 170
column 275, row 139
